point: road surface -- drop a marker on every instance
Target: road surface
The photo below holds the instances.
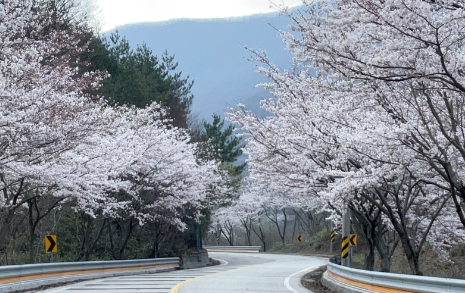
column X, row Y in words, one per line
column 238, row 272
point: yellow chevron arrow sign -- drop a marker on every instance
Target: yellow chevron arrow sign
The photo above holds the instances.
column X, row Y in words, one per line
column 51, row 244
column 353, row 239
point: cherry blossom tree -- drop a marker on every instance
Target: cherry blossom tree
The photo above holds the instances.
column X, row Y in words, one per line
column 407, row 54
column 44, row 112
column 377, row 125
column 60, row 145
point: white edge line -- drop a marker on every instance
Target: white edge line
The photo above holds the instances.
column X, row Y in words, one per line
column 73, row 285
column 222, row 261
column 288, row 279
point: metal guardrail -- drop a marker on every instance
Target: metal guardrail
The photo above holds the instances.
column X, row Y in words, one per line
column 232, row 248
column 21, row 277
column 369, row 281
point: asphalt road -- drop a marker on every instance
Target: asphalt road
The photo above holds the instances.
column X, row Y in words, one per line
column 238, row 272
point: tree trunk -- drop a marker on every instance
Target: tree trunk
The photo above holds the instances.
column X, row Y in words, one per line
column 32, row 231
column 294, row 228
column 88, row 243
column 385, row 264
column 156, row 239
column 303, row 223
column 284, row 227
column 274, row 218
column 369, row 232
column 370, row 257
column 261, row 236
column 412, row 256
column 5, row 228
column 367, row 226
column 12, row 199
column 247, row 223
column 31, row 242
column 126, row 238
column 249, row 232
column 228, row 232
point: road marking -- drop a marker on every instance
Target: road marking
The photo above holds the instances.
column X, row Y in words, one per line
column 288, row 279
column 176, row 288
column 223, row 262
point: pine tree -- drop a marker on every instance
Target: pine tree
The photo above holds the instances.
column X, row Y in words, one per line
column 220, row 143
column 138, row 78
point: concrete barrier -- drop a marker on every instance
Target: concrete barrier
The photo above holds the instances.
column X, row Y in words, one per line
column 194, row 259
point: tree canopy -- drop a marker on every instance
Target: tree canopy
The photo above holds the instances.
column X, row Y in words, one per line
column 71, row 159
column 225, row 144
column 138, row 78
column 379, row 127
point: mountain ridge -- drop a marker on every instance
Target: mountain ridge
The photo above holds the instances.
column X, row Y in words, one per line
column 221, row 19
column 212, row 53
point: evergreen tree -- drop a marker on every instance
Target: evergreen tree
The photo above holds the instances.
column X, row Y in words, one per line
column 138, row 78
column 219, row 142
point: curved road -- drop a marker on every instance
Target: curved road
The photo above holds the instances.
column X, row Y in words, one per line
column 238, row 272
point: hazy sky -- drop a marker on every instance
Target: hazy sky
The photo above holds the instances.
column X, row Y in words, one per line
column 119, row 12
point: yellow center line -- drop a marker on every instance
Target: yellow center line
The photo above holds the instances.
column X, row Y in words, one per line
column 176, row 288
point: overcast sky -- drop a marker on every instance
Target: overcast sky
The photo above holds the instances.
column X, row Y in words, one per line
column 119, row 12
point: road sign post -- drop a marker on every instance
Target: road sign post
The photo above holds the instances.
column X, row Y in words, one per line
column 345, row 261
